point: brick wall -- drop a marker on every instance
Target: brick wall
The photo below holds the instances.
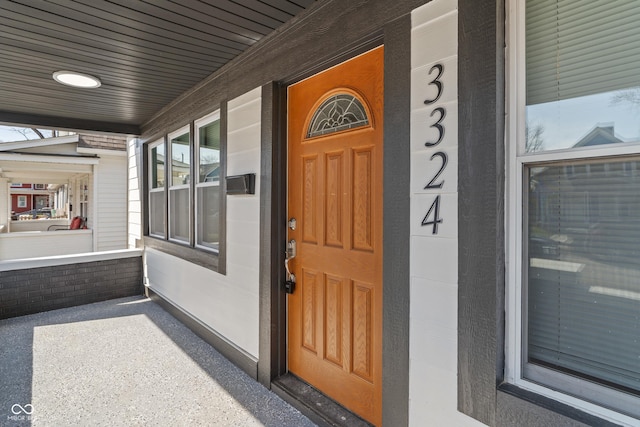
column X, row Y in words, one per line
column 29, row 291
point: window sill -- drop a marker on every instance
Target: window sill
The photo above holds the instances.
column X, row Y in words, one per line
column 203, row 258
column 553, row 405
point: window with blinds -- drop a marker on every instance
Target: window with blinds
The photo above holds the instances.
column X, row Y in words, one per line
column 582, row 62
column 581, row 202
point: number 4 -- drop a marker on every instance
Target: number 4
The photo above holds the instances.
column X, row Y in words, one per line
column 435, row 209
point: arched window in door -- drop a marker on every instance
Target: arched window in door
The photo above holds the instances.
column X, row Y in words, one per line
column 340, row 111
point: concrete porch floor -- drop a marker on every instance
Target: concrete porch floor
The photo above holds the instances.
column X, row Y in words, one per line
column 124, row 362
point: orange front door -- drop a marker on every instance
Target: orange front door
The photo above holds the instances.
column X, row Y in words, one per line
column 335, row 195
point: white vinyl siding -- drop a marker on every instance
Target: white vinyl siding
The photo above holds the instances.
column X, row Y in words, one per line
column 226, row 303
column 134, row 202
column 433, row 326
column 34, row 245
column 111, row 203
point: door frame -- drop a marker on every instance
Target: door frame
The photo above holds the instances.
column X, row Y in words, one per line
column 272, row 362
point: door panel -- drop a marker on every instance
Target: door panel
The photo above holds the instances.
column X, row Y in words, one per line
column 335, row 194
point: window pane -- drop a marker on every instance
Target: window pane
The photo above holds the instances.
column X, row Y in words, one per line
column 179, row 214
column 340, row 112
column 208, row 216
column 156, row 213
column 583, row 87
column 584, row 271
column 209, row 144
column 157, row 166
column 181, row 160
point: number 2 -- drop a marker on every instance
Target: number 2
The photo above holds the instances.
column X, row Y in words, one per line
column 444, row 158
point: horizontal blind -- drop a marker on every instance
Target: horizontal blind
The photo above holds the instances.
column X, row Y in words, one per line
column 584, row 271
column 581, row 47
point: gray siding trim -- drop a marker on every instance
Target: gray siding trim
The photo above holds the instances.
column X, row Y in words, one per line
column 272, row 348
column 518, row 407
column 222, row 244
column 200, row 257
column 481, row 206
column 396, row 229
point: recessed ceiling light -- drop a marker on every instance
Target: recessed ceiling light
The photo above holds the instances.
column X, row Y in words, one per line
column 71, row 78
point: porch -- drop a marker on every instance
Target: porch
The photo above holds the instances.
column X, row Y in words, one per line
column 125, row 362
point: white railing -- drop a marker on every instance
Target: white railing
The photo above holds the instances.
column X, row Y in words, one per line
column 49, row 261
column 33, row 244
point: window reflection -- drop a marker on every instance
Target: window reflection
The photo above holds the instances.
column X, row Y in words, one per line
column 210, row 152
column 157, row 166
column 584, row 121
column 181, row 160
column 584, row 270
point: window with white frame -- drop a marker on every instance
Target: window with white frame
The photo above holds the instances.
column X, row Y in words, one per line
column 22, row 201
column 157, row 199
column 208, row 188
column 187, row 209
column 574, row 202
column 179, row 192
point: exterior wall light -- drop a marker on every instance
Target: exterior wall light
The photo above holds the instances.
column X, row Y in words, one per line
column 71, row 78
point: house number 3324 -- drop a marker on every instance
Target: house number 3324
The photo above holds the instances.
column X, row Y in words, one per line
column 432, row 217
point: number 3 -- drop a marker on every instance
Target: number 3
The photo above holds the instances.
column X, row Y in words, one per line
column 436, row 82
column 437, row 125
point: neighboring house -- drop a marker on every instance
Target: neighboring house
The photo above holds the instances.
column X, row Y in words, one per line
column 26, row 197
column 81, row 175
